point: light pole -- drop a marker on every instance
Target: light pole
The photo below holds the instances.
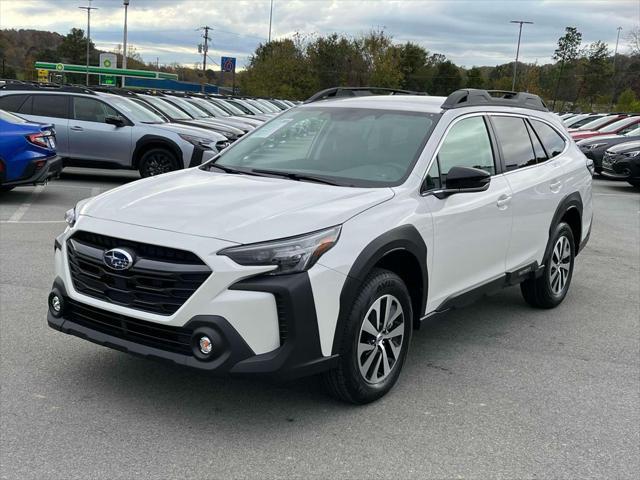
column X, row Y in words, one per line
column 515, row 65
column 615, row 57
column 270, row 18
column 124, row 43
column 88, row 9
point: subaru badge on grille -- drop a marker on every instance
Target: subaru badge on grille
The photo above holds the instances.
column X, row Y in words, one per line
column 118, row 259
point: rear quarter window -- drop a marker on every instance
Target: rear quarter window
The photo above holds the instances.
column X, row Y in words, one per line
column 551, row 140
column 12, row 103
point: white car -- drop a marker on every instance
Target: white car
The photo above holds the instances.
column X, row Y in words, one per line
column 318, row 242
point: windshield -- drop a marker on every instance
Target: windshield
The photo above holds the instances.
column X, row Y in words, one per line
column 595, row 124
column 245, row 110
column 209, row 107
column 135, row 112
column 232, row 109
column 11, row 118
column 192, row 110
column 345, row 146
column 168, row 109
column 248, row 106
column 586, row 120
column 617, row 125
column 633, row 133
column 258, row 105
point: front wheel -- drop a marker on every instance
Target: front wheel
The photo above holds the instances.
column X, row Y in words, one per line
column 156, row 162
column 374, row 342
column 549, row 290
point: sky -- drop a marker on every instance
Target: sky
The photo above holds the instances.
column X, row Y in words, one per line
column 470, row 33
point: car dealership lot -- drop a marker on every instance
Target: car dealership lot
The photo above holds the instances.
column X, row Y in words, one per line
column 493, row 390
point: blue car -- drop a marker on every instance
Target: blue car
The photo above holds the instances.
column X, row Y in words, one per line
column 27, row 152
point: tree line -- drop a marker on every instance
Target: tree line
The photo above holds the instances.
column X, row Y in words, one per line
column 585, row 77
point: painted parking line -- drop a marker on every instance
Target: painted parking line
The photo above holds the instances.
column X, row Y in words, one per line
column 22, row 209
column 30, row 221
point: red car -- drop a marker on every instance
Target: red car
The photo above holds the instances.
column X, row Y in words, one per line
column 599, row 123
column 616, row 128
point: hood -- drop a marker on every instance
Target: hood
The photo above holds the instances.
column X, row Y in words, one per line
column 232, row 207
column 189, row 130
column 577, row 135
column 590, row 141
column 623, row 147
column 217, row 127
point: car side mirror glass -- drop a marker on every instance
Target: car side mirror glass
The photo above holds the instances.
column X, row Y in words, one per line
column 115, row 120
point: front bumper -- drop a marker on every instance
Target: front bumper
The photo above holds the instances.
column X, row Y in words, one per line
column 34, row 175
column 620, row 167
column 299, row 353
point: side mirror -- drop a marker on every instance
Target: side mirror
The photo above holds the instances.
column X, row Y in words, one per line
column 464, row 179
column 114, row 120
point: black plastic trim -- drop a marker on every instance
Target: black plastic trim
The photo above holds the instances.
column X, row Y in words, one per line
column 31, row 176
column 196, row 156
column 405, row 237
column 301, row 353
column 572, row 200
column 471, row 97
column 158, row 141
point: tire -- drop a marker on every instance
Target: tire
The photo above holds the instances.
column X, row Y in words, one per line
column 361, row 376
column 156, row 162
column 549, row 290
column 6, row 189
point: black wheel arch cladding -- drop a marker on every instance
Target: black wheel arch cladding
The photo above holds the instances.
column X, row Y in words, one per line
column 147, row 142
column 569, row 202
column 405, row 238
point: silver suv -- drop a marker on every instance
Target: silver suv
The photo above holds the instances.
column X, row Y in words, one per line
column 103, row 130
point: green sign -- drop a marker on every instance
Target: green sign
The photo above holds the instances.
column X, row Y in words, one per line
column 117, row 72
column 108, row 60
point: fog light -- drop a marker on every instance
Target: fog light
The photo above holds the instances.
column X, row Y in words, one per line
column 205, row 345
column 56, row 304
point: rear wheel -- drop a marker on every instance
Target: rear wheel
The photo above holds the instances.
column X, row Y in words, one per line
column 156, row 162
column 375, row 340
column 549, row 290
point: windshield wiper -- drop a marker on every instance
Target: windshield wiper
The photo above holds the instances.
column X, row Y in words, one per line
column 295, row 176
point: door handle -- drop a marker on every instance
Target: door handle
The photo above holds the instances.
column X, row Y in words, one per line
column 76, row 128
column 503, row 201
column 555, row 186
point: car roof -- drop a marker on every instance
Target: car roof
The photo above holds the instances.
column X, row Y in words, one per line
column 414, row 103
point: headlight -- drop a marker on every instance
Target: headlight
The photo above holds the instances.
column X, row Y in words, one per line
column 634, row 153
column 289, row 255
column 70, row 217
column 197, row 141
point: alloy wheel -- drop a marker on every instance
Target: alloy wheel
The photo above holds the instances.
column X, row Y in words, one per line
column 560, row 265
column 159, row 163
column 380, row 339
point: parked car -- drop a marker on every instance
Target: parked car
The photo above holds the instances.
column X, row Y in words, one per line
column 595, row 147
column 102, row 130
column 579, row 121
column 235, row 112
column 622, row 162
column 318, row 242
column 599, row 122
column 619, row 127
column 27, row 152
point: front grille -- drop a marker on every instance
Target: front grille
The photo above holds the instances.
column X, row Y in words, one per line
column 173, row 339
column 283, row 329
column 160, row 281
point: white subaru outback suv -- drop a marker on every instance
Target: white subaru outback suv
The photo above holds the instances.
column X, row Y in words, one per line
column 320, row 241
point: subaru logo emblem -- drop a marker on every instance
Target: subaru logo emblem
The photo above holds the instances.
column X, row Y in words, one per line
column 118, row 259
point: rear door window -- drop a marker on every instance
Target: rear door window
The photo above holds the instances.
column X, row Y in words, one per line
column 56, row 106
column 551, row 140
column 514, row 140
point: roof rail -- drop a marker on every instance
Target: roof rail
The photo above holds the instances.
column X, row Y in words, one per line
column 114, row 90
column 357, row 92
column 470, row 97
column 48, row 86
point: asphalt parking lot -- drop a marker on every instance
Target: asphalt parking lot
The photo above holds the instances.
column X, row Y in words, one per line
column 496, row 390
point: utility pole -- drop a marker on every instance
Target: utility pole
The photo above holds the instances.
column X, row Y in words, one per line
column 615, row 57
column 88, row 9
column 270, row 19
column 205, row 50
column 515, row 65
column 124, row 43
